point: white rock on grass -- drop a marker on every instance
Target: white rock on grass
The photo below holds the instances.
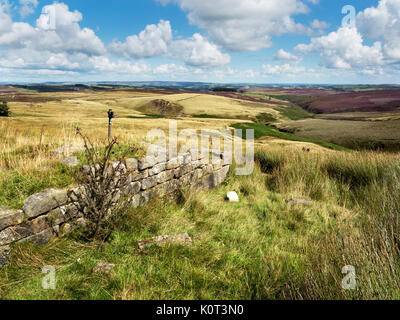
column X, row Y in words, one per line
column 70, row 161
column 299, row 201
column 180, row 239
column 103, row 267
column 232, row 196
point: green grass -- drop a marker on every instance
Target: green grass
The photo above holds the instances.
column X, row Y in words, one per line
column 16, row 186
column 250, row 256
column 259, row 248
column 265, row 117
column 294, row 112
column 262, row 130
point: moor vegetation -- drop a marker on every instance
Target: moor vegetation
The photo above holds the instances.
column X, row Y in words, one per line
column 259, row 248
column 262, row 247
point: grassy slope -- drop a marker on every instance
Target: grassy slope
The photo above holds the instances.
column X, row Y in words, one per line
column 259, row 248
column 36, row 128
column 352, row 134
column 262, row 130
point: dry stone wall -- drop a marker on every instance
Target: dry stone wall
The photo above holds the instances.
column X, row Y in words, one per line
column 51, row 213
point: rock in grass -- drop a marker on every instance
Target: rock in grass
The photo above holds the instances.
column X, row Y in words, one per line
column 299, row 201
column 232, row 196
column 103, row 267
column 66, row 150
column 182, row 239
column 70, row 161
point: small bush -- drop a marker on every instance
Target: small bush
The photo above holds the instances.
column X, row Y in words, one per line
column 100, row 197
column 4, row 110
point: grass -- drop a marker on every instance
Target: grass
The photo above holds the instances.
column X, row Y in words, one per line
column 259, row 248
column 49, row 121
column 17, row 185
column 362, row 135
column 265, row 117
column 262, row 130
column 294, row 113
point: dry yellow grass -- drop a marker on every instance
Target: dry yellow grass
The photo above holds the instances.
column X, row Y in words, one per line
column 53, row 121
column 49, row 120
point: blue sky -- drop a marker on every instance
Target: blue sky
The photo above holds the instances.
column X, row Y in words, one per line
column 255, row 41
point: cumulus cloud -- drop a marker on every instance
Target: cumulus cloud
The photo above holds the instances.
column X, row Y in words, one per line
column 382, row 23
column 286, row 56
column 157, row 40
column 242, row 25
column 68, row 36
column 69, row 49
column 198, row 51
column 344, row 49
column 153, row 41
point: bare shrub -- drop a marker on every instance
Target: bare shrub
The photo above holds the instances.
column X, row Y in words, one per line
column 100, row 197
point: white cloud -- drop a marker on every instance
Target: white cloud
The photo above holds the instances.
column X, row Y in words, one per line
column 286, row 56
column 282, row 69
column 344, row 49
column 153, row 41
column 157, row 40
column 170, row 69
column 317, row 24
column 27, row 7
column 67, row 36
column 103, row 64
column 242, row 25
column 382, row 23
column 70, row 49
column 198, row 51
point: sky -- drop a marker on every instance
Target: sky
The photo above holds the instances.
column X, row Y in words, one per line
column 224, row 41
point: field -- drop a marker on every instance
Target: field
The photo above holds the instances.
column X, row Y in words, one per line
column 383, row 135
column 43, row 121
column 262, row 247
column 367, row 118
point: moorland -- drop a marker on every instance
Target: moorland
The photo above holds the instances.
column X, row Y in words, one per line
column 262, row 247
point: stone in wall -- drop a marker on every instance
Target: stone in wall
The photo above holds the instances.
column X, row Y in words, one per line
column 158, row 168
column 165, row 176
column 132, row 164
column 149, row 182
column 138, row 175
column 132, row 188
column 10, row 218
column 24, row 230
column 43, row 202
column 42, row 237
column 173, row 163
column 147, row 162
